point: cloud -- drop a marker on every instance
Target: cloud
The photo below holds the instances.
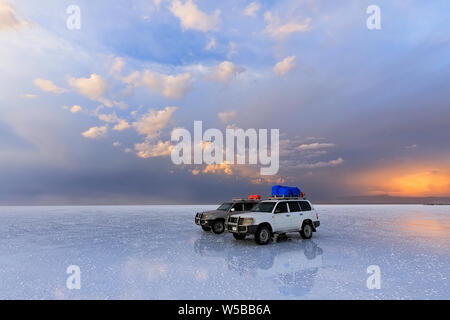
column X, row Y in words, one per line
column 168, row 85
column 225, row 72
column 116, row 144
column 76, row 109
column 109, row 118
column 223, row 167
column 93, row 88
column 30, row 96
column 252, row 9
column 117, row 65
column 193, row 18
column 153, row 122
column 147, row 150
column 315, row 146
column 284, row 66
column 226, row 116
column 231, row 49
column 320, row 164
column 211, row 44
column 8, row 19
column 48, row 86
column 279, row 28
column 122, row 125
column 95, row 132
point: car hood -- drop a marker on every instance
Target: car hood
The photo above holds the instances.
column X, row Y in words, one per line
column 244, row 214
column 214, row 213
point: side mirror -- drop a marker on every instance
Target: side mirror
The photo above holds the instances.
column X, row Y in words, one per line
column 232, row 210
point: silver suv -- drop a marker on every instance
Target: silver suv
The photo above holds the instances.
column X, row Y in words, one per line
column 215, row 219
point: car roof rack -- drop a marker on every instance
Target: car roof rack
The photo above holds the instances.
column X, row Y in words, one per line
column 243, row 199
column 286, row 198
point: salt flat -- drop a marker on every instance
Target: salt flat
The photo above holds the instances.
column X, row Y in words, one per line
column 157, row 252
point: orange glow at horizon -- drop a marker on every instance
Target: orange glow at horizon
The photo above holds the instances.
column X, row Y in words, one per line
column 406, row 181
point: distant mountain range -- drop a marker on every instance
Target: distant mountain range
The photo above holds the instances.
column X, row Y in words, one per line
column 387, row 199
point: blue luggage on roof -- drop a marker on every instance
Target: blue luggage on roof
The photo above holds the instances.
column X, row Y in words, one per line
column 283, row 191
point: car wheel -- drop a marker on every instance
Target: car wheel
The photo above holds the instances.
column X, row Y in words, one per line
column 205, row 228
column 239, row 236
column 263, row 235
column 306, row 231
column 218, row 227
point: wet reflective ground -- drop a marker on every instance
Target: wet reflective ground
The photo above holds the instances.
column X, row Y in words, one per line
column 157, row 252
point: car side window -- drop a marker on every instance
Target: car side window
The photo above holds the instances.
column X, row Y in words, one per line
column 248, row 206
column 281, row 207
column 294, row 206
column 237, row 207
column 305, row 206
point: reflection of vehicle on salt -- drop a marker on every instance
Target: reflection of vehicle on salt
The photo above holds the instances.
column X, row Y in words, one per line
column 292, row 265
column 215, row 219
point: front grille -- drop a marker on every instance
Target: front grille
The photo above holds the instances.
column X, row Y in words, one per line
column 232, row 220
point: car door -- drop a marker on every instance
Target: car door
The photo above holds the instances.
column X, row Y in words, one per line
column 296, row 215
column 282, row 217
column 307, row 211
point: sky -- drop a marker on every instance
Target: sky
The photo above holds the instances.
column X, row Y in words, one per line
column 86, row 114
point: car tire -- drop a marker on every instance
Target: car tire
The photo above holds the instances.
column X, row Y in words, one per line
column 306, row 231
column 263, row 235
column 205, row 228
column 218, row 227
column 239, row 236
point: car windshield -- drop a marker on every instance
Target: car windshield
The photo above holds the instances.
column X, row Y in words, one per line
column 225, row 206
column 264, row 207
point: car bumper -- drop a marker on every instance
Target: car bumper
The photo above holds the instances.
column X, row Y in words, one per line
column 316, row 224
column 203, row 222
column 233, row 228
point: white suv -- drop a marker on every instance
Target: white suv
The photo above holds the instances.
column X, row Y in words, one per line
column 275, row 216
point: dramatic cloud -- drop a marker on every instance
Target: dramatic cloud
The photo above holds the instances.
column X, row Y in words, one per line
column 193, row 18
column 169, row 86
column 147, row 150
column 95, row 132
column 315, row 146
column 284, row 66
column 93, row 88
column 226, row 116
column 8, row 19
column 280, row 28
column 405, row 179
column 252, row 9
column 48, row 86
column 76, row 109
column 223, row 168
column 153, row 122
column 225, row 72
column 320, row 164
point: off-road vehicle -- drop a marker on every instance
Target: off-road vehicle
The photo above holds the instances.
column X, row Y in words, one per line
column 276, row 216
column 215, row 219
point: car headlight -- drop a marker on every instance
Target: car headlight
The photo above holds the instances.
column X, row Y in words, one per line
column 246, row 221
